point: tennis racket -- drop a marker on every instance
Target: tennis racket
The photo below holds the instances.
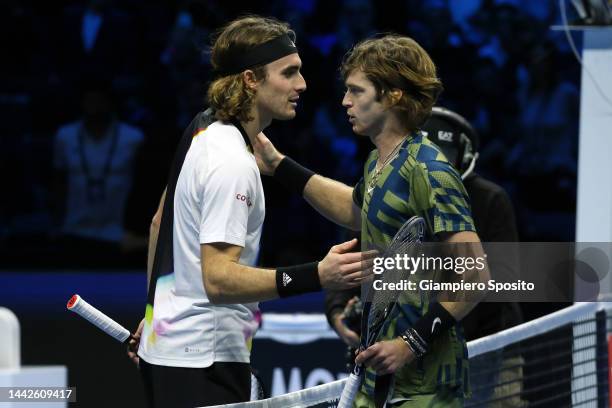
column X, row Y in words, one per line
column 99, row 319
column 380, row 303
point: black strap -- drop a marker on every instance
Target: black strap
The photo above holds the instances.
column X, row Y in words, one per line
column 163, row 264
column 292, row 175
column 236, row 59
column 243, row 132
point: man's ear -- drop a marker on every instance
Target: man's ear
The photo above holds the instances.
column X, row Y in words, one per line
column 249, row 78
column 393, row 96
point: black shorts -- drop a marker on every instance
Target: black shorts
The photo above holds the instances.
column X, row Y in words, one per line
column 178, row 387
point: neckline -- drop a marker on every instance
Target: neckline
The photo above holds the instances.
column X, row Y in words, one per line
column 407, row 139
column 243, row 132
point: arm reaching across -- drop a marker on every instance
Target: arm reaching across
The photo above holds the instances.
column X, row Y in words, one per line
column 332, row 199
column 227, row 281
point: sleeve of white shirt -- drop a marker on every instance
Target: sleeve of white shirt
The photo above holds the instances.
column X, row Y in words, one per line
column 226, row 203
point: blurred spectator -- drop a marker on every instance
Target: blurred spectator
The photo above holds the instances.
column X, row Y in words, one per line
column 188, row 69
column 98, row 37
column 545, row 158
column 550, row 110
column 93, row 159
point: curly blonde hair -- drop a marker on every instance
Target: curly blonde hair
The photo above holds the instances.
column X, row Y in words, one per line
column 229, row 95
column 397, row 62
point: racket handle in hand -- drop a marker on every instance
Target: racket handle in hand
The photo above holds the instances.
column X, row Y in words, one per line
column 99, row 319
column 353, row 382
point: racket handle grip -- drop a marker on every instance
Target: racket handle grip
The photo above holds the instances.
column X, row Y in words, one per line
column 99, row 319
column 349, row 392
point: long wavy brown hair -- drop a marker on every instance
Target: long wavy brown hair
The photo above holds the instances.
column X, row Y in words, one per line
column 229, row 95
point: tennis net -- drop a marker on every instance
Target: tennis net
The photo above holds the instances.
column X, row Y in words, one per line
column 558, row 360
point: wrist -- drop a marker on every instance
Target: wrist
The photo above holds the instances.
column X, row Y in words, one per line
column 432, row 324
column 292, row 175
column 414, row 342
column 436, row 321
column 276, row 162
column 298, row 279
column 405, row 350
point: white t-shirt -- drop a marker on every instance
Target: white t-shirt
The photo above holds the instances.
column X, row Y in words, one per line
column 218, row 198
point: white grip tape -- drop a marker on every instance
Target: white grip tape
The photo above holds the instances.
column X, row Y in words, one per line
column 97, row 318
column 350, row 391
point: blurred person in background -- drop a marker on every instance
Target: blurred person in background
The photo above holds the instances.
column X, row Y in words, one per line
column 544, row 160
column 93, row 161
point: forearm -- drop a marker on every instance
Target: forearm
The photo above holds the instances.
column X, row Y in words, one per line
column 333, row 200
column 461, row 308
column 231, row 282
column 227, row 281
column 444, row 314
column 458, row 309
column 466, row 246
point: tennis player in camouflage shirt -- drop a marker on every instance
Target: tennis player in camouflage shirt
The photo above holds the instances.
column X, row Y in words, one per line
column 391, row 86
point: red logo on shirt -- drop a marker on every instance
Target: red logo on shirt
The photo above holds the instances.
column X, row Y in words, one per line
column 242, row 197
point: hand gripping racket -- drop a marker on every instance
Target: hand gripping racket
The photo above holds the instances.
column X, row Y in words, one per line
column 99, row 319
column 380, row 303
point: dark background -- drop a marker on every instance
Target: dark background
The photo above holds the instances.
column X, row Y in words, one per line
column 502, row 67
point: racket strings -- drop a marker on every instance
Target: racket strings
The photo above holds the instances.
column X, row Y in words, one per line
column 406, row 241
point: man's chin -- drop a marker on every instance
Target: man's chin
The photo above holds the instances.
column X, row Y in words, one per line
column 357, row 130
column 286, row 115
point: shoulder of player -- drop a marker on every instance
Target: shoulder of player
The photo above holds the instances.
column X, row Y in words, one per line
column 222, row 142
column 217, row 131
column 234, row 167
column 422, row 152
column 434, row 173
column 226, row 150
column 420, row 164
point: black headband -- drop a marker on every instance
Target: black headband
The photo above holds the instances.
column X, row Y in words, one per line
column 236, row 60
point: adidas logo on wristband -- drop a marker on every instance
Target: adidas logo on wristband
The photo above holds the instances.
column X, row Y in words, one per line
column 286, row 279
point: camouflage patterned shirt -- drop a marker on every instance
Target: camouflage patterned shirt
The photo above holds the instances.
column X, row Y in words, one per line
column 418, row 181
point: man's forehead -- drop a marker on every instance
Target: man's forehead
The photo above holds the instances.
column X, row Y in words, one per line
column 357, row 77
column 286, row 62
